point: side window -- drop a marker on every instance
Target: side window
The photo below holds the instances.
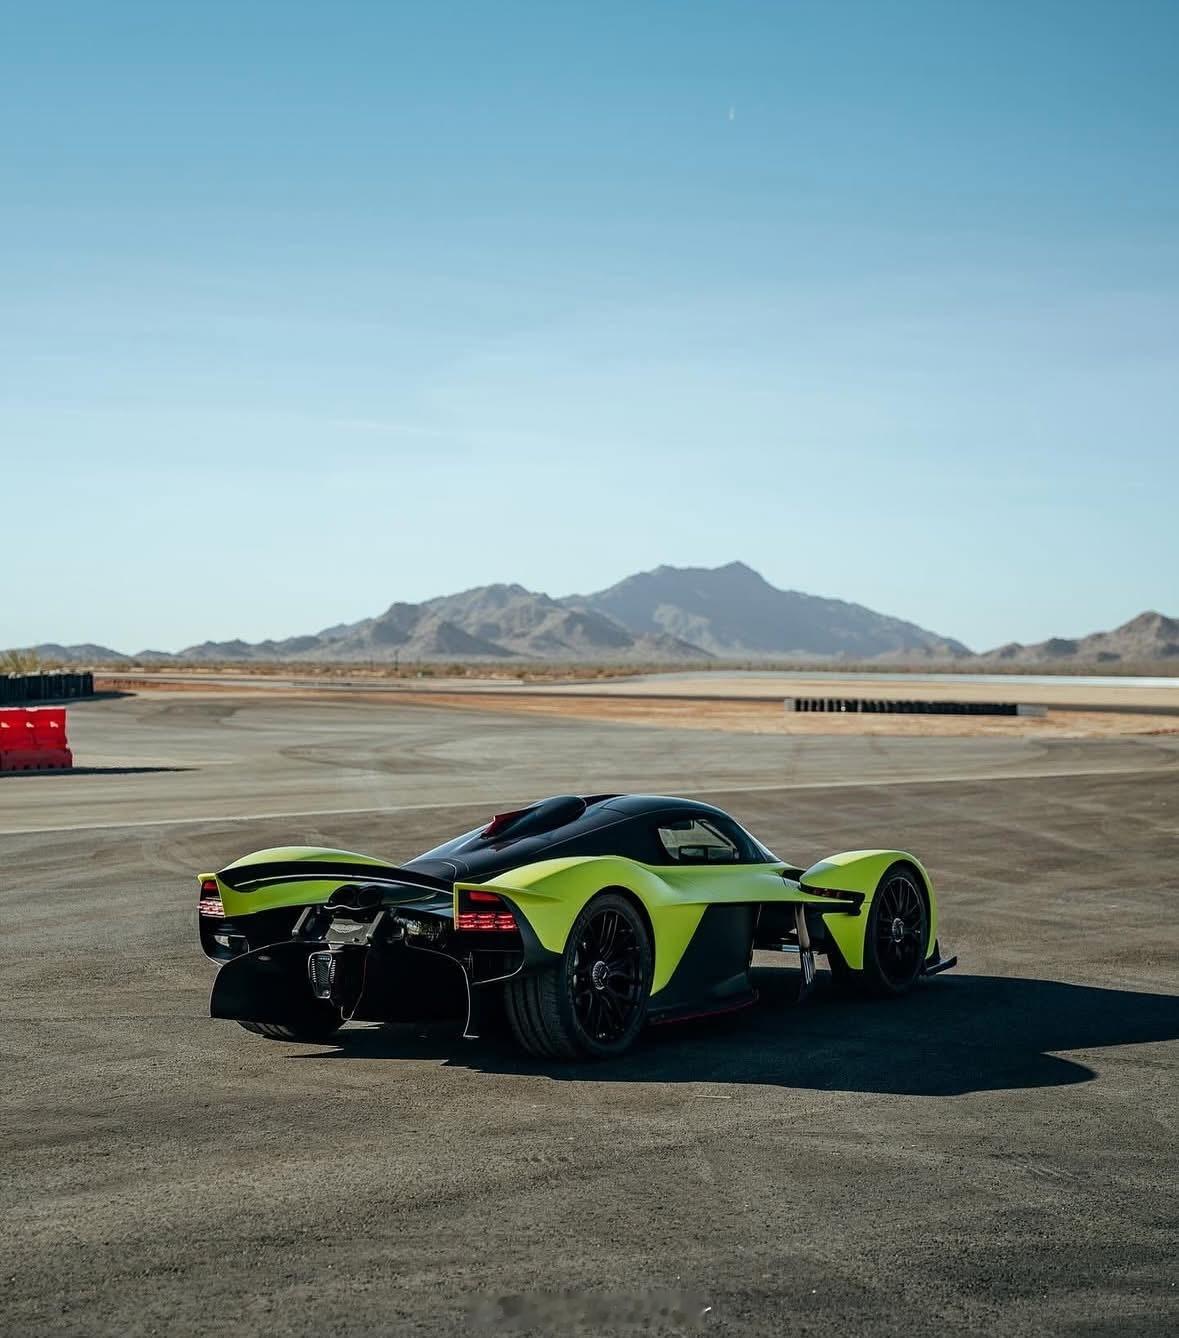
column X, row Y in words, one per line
column 695, row 841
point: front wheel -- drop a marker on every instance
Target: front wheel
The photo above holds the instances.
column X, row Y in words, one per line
column 593, row 1002
column 898, row 926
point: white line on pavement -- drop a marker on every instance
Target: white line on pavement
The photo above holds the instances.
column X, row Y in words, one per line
column 717, row 787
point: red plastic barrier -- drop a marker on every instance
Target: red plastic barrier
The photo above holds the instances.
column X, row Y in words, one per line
column 16, row 728
column 34, row 739
column 36, row 759
column 49, row 727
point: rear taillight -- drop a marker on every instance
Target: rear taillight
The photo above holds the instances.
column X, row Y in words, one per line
column 480, row 912
column 210, row 899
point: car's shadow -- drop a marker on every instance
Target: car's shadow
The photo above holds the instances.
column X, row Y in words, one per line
column 955, row 1034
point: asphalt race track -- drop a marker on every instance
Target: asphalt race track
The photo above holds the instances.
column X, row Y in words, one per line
column 997, row 1154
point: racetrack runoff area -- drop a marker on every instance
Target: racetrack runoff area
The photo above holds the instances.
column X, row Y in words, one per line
column 996, row 1154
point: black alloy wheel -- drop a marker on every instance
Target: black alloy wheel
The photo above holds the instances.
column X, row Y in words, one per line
column 898, row 926
column 592, row 1002
column 608, row 991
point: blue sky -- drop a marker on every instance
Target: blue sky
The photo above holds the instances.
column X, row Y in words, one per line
column 310, row 307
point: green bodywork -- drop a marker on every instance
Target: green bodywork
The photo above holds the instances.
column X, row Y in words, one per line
column 309, row 891
column 861, row 871
column 550, row 894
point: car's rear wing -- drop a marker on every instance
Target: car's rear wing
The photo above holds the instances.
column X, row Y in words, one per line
column 251, row 877
column 307, row 876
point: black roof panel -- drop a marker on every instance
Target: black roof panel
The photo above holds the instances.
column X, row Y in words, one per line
column 658, row 803
column 561, row 825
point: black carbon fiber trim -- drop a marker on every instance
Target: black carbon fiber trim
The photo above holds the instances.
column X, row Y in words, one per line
column 252, row 876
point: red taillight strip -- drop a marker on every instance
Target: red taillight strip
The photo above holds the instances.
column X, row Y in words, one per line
column 481, row 921
column 210, row 899
column 482, row 912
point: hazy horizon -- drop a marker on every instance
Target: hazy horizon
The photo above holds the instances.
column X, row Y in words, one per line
column 311, row 309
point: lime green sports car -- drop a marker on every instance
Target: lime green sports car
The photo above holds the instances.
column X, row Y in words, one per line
column 585, row 917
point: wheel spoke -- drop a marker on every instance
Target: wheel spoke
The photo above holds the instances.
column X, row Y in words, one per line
column 608, row 934
column 900, row 922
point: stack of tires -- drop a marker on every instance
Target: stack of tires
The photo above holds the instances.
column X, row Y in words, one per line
column 52, row 685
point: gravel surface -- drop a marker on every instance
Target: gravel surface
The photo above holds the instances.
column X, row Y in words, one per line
column 995, row 1154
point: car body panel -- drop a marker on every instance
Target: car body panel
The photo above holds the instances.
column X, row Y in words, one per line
column 552, row 893
column 860, row 871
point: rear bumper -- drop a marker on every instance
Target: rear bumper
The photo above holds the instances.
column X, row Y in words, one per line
column 304, row 979
column 224, row 937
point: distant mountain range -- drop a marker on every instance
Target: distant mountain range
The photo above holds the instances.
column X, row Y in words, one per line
column 1150, row 636
column 668, row 615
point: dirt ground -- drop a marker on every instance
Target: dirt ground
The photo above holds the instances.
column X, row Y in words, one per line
column 755, row 717
column 994, row 1155
column 731, row 715
column 1063, row 691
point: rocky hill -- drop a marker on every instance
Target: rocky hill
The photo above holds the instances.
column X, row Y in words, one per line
column 1151, row 636
column 490, row 622
column 667, row 615
column 734, row 613
column 84, row 653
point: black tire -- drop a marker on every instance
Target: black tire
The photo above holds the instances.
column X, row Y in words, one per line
column 894, row 938
column 275, row 1031
column 593, row 1002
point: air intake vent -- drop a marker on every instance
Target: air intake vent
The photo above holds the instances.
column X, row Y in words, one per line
column 321, row 969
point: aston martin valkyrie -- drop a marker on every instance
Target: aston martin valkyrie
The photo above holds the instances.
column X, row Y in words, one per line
column 584, row 918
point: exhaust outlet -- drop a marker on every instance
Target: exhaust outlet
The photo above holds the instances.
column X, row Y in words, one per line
column 356, row 897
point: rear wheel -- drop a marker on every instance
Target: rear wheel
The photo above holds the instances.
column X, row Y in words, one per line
column 593, row 1002
column 898, row 926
